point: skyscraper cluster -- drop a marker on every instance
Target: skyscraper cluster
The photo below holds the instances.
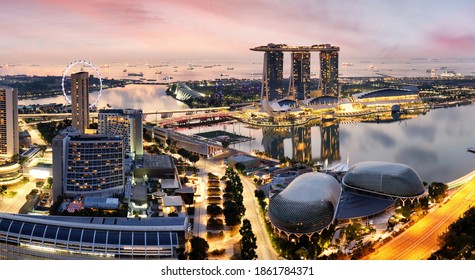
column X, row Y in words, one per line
column 272, row 87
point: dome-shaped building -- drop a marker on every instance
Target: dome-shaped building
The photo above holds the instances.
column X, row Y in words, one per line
column 393, row 180
column 306, row 206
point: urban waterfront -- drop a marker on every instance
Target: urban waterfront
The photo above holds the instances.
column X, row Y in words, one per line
column 433, row 143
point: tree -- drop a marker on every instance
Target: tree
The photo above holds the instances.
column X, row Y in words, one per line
column 184, row 153
column 437, row 191
column 261, row 196
column 225, row 143
column 248, row 241
column 194, row 159
column 240, row 167
column 231, row 212
column 199, row 249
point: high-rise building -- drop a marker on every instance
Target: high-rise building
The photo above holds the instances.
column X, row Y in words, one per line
column 9, row 141
column 80, row 100
column 329, row 72
column 125, row 122
column 273, row 75
column 87, row 164
column 299, row 75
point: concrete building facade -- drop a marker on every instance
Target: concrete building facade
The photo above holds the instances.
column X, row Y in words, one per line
column 80, row 101
column 88, row 164
column 9, row 140
column 127, row 123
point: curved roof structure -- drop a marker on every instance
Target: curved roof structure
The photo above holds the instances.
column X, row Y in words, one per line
column 307, row 205
column 273, row 108
column 384, row 178
column 184, row 92
column 99, row 236
column 386, row 92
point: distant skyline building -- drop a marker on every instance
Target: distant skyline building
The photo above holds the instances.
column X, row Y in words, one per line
column 273, row 75
column 329, row 72
column 87, row 164
column 125, row 122
column 300, row 70
column 299, row 75
column 80, row 100
column 9, row 139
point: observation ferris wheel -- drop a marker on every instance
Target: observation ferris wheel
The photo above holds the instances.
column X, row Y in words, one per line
column 87, row 63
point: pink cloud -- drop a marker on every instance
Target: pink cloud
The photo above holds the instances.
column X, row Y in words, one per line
column 465, row 42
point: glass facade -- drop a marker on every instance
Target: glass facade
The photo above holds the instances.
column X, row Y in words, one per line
column 273, row 75
column 329, row 72
column 300, row 75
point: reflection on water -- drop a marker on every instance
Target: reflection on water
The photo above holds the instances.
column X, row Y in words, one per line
column 433, row 143
column 149, row 98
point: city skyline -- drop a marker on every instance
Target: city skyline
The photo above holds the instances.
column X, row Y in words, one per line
column 50, row 31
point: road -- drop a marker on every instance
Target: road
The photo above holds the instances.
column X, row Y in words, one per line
column 13, row 205
column 264, row 251
column 418, row 241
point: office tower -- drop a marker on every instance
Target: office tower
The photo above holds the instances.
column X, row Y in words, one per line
column 87, row 164
column 299, row 75
column 273, row 75
column 80, row 100
column 9, row 141
column 127, row 123
column 329, row 72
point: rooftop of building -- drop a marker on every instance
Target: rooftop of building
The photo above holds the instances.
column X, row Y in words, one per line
column 285, row 48
column 384, row 178
column 120, row 223
column 386, row 92
column 242, row 158
column 158, row 161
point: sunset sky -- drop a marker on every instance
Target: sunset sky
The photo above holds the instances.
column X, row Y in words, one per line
column 40, row 31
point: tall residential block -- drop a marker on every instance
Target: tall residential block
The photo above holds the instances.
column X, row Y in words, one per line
column 80, row 100
column 87, row 164
column 125, row 122
column 9, row 141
